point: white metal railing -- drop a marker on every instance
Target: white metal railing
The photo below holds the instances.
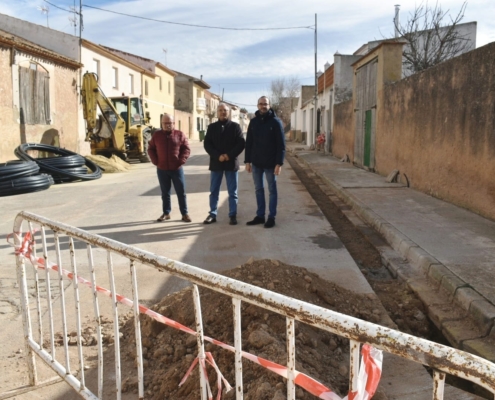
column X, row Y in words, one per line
column 442, row 359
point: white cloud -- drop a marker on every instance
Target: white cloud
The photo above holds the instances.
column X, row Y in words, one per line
column 225, row 54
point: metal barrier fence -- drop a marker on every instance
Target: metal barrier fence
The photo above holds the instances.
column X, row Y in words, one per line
column 55, row 238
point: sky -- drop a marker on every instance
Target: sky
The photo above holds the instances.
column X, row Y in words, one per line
column 240, row 62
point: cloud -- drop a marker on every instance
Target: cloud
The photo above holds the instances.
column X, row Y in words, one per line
column 241, row 55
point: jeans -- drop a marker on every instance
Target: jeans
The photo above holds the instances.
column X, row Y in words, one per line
column 166, row 178
column 215, row 182
column 271, row 180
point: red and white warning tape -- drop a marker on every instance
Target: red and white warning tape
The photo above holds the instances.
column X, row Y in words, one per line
column 371, row 361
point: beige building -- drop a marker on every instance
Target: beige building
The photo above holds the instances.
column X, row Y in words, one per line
column 190, row 98
column 212, row 102
column 157, row 88
column 39, row 96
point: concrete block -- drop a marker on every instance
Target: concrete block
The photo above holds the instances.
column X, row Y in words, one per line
column 405, row 246
column 484, row 347
column 439, row 314
column 437, row 272
column 421, row 259
column 374, row 220
column 483, row 313
column 391, row 235
column 459, row 331
column 464, row 296
column 450, row 283
column 419, row 286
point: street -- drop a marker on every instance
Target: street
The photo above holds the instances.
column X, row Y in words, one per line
column 124, row 206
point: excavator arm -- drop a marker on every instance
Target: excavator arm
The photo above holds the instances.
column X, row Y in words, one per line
column 111, row 124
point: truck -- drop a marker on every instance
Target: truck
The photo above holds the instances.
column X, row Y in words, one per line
column 120, row 127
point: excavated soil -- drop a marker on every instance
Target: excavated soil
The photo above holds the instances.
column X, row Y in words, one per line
column 168, row 353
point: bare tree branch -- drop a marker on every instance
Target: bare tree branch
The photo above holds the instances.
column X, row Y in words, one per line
column 430, row 40
column 283, row 95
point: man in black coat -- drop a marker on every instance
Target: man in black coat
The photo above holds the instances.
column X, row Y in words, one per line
column 223, row 142
column 264, row 157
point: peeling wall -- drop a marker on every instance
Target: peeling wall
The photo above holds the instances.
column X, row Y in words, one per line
column 343, row 130
column 438, row 128
column 63, row 129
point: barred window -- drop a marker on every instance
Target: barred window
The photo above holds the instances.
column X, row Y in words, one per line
column 34, row 93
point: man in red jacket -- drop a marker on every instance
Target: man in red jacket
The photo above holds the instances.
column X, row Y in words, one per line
column 169, row 150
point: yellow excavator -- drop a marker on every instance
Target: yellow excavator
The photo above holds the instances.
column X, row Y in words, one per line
column 120, row 128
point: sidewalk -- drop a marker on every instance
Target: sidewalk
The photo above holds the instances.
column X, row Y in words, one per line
column 448, row 250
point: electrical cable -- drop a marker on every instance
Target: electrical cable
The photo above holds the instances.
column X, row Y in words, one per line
column 197, row 26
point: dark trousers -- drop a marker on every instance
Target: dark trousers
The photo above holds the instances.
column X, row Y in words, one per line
column 166, row 178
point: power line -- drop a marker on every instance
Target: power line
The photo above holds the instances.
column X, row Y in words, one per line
column 60, row 8
column 197, row 26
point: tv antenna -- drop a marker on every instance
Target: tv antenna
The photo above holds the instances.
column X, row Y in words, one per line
column 73, row 19
column 45, row 10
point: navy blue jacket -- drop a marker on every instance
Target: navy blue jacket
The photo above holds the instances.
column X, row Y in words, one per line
column 224, row 138
column 265, row 141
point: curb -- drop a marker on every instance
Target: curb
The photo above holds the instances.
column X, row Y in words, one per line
column 429, row 277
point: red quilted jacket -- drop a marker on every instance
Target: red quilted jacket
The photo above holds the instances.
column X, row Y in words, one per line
column 168, row 150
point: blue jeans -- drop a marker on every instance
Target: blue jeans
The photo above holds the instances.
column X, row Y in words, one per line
column 271, row 180
column 166, row 178
column 215, row 182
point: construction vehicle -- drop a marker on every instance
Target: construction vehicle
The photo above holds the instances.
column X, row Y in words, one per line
column 121, row 128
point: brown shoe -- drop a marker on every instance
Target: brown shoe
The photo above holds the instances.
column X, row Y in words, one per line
column 163, row 217
column 186, row 218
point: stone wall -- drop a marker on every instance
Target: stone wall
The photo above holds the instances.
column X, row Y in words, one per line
column 437, row 128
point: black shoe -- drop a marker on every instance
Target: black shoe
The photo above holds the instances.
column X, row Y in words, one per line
column 270, row 223
column 233, row 221
column 256, row 221
column 209, row 220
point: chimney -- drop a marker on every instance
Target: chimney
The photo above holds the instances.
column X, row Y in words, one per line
column 396, row 20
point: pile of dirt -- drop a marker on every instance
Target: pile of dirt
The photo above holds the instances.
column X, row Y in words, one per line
column 168, row 353
column 110, row 165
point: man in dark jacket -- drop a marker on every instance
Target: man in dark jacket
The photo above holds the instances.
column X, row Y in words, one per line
column 223, row 142
column 264, row 156
column 168, row 150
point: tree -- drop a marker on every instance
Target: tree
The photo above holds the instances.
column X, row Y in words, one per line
column 283, row 97
column 430, row 39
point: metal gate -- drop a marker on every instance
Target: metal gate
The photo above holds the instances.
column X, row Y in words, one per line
column 47, row 245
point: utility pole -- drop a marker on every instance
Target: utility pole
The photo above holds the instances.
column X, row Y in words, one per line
column 316, row 84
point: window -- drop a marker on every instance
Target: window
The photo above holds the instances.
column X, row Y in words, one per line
column 96, row 67
column 198, row 123
column 168, row 87
column 34, row 95
column 179, row 124
column 160, row 82
column 115, row 77
column 131, row 83
column 146, row 88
